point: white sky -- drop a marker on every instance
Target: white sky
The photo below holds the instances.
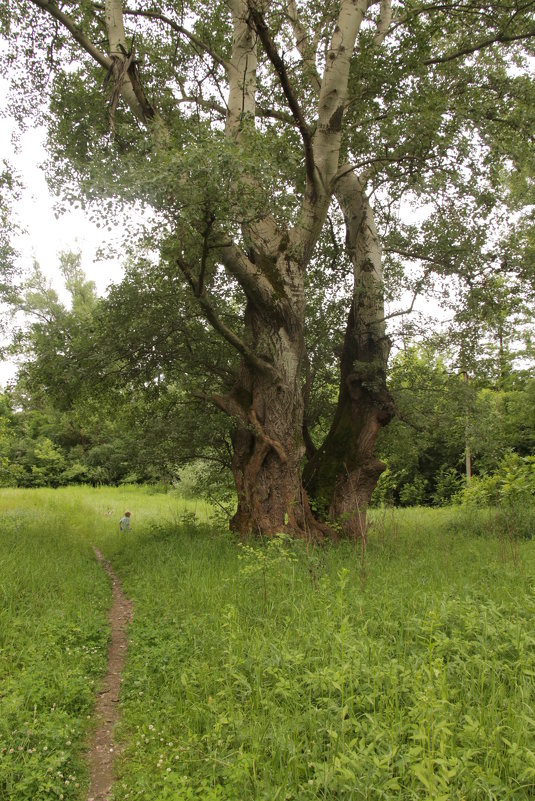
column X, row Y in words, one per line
column 44, row 234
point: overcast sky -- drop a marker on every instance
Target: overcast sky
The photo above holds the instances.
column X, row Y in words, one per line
column 44, row 235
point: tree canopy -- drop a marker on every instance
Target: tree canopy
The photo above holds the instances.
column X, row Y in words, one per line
column 274, row 149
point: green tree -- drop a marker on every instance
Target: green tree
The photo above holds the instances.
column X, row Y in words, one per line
column 9, row 434
column 9, row 192
column 241, row 125
column 424, row 447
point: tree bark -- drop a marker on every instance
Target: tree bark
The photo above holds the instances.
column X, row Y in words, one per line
column 267, row 441
column 343, row 473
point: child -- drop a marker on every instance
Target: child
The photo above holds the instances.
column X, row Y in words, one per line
column 124, row 522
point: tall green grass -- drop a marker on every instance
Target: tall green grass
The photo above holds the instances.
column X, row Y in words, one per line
column 277, row 671
column 53, row 637
column 54, row 631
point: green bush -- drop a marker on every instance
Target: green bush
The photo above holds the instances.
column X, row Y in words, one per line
column 509, row 493
column 512, row 483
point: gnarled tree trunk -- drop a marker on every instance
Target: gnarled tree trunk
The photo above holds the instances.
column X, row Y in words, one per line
column 343, row 473
column 267, row 472
column 267, row 441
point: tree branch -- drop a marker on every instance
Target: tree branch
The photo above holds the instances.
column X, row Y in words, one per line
column 227, row 404
column 231, row 337
column 102, row 58
column 124, row 68
column 409, row 254
column 205, row 248
column 129, row 87
column 372, row 164
column 405, row 311
column 328, row 132
column 303, row 44
column 158, row 17
column 253, row 282
column 278, row 64
column 261, row 112
column 383, row 22
column 499, row 39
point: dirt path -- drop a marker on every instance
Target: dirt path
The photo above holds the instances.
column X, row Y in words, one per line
column 102, row 750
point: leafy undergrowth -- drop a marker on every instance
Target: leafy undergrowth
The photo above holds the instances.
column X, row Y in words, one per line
column 53, row 640
column 267, row 671
column 276, row 672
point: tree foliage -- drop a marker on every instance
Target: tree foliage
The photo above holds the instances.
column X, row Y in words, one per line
column 251, row 135
column 439, row 414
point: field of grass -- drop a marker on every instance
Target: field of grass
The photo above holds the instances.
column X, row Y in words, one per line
column 53, row 602
column 267, row 672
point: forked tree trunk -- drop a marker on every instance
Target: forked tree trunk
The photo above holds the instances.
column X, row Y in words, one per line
column 267, row 262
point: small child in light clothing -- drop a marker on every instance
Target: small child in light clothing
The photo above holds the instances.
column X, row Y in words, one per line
column 124, row 522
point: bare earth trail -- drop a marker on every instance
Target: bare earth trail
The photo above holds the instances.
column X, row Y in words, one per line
column 102, row 750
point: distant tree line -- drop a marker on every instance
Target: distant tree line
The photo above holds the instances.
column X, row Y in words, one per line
column 96, row 399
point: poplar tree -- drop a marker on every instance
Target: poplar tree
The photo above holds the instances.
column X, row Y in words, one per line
column 241, row 125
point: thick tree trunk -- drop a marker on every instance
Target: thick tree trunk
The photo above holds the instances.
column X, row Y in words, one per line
column 268, row 445
column 343, row 473
column 266, row 473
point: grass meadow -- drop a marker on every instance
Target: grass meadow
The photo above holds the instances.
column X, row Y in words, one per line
column 268, row 671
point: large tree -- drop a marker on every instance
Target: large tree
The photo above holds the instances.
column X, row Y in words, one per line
column 242, row 124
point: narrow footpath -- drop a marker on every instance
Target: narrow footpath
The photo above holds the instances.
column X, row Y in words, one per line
column 102, row 750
